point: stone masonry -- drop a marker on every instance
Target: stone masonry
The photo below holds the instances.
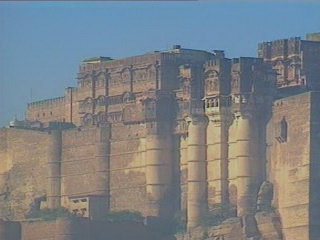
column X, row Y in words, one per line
column 179, row 130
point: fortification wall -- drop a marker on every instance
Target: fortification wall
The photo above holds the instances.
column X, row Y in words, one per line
column 10, row 230
column 83, row 229
column 215, row 157
column 84, row 163
column 217, row 154
column 314, row 167
column 182, row 159
column 25, row 155
column 311, row 63
column 4, row 164
column 127, row 168
column 53, row 230
column 289, row 163
column 50, row 110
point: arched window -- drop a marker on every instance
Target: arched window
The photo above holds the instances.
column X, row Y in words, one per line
column 282, row 131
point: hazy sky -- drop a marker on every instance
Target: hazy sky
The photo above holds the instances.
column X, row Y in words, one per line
column 43, row 43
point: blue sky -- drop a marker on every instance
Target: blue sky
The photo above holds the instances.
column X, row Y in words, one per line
column 43, row 43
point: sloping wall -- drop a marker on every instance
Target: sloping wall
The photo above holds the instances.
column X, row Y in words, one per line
column 84, row 229
column 23, row 174
column 289, row 163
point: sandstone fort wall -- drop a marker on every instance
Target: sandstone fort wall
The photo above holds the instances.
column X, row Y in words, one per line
column 65, row 229
column 173, row 132
column 26, row 170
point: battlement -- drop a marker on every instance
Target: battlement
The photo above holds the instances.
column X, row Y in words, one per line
column 218, row 62
column 115, row 63
column 68, row 229
column 247, row 61
column 176, row 53
column 97, row 59
column 283, row 48
column 292, row 58
column 313, row 37
column 50, row 110
column 47, row 102
column 279, row 48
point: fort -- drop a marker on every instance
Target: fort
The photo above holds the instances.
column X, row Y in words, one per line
column 176, row 131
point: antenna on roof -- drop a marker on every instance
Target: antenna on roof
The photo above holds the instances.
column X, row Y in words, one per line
column 31, row 95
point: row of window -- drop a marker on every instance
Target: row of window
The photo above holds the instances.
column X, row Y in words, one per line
column 44, row 114
column 90, row 119
column 80, row 212
column 117, row 80
column 227, row 102
column 79, row 200
column 39, row 116
column 102, row 100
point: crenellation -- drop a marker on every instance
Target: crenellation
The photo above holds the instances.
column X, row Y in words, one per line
column 48, row 101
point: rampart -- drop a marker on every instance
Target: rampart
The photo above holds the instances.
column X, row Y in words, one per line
column 178, row 131
column 80, row 229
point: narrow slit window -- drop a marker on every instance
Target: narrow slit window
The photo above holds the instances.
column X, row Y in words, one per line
column 282, row 131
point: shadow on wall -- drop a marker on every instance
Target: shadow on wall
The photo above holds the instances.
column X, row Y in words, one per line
column 79, row 228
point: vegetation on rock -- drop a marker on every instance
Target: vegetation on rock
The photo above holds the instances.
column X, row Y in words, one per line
column 47, row 214
column 218, row 213
column 124, row 216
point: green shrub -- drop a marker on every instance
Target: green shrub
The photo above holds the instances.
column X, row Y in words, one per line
column 179, row 222
column 267, row 208
column 217, row 214
column 124, row 216
column 47, row 214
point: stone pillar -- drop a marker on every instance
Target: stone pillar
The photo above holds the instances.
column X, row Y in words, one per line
column 10, row 230
column 217, row 157
column 101, row 184
column 246, row 159
column 69, row 104
column 159, row 174
column 197, row 169
column 54, row 170
column 102, row 181
column 232, row 163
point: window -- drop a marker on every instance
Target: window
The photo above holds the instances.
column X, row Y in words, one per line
column 83, row 211
column 75, row 211
column 282, row 131
column 115, row 100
